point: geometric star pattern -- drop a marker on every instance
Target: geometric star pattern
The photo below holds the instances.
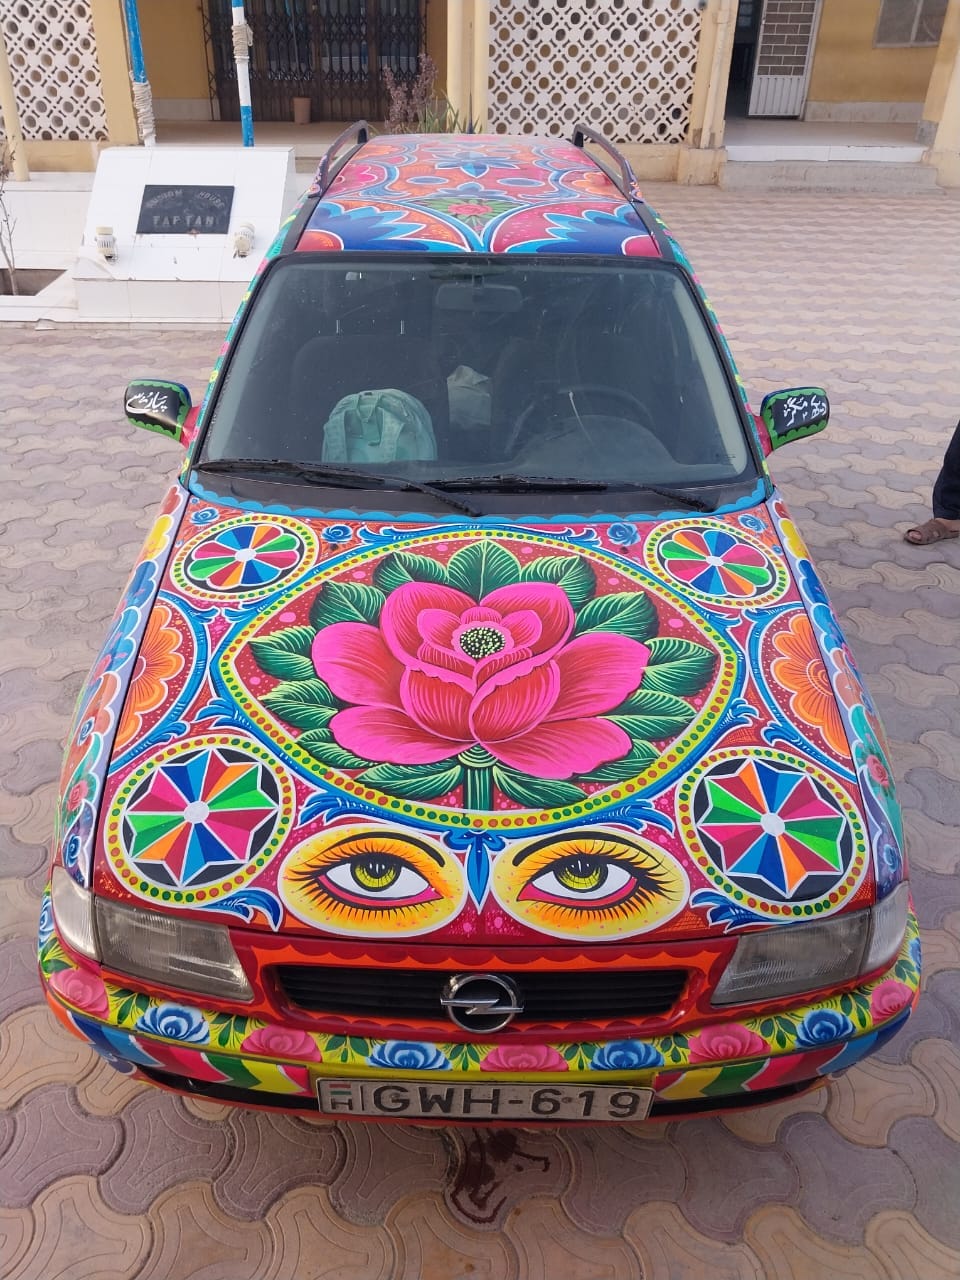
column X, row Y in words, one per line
column 769, row 825
column 716, row 563
column 198, row 813
column 244, row 557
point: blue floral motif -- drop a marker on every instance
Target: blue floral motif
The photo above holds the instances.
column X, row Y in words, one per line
column 915, row 952
column 826, row 624
column 204, row 516
column 823, row 1026
column 626, row 1055
column 175, row 1022
column 623, row 534
column 119, row 647
column 810, row 585
column 752, row 522
column 76, row 844
column 410, row 1055
column 336, row 533
column 722, row 910
column 45, row 928
column 141, row 584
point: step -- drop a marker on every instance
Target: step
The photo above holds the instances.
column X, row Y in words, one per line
column 890, row 178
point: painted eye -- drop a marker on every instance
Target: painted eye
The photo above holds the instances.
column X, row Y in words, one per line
column 597, row 884
column 380, row 875
column 583, row 878
column 357, row 881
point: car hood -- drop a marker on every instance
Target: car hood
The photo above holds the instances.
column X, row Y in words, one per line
column 510, row 734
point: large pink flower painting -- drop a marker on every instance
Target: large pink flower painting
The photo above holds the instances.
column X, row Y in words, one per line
column 483, row 677
column 441, row 673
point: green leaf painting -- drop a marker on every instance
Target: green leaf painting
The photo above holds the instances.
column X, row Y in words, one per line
column 306, row 704
column 626, row 613
column 286, row 654
column 346, row 602
column 534, row 793
column 482, row 567
column 572, row 573
column 403, row 566
column 414, row 782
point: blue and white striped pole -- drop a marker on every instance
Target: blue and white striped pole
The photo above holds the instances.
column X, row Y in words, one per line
column 142, row 97
column 241, row 52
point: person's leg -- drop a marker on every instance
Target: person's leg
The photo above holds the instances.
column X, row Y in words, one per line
column 946, row 490
column 946, row 501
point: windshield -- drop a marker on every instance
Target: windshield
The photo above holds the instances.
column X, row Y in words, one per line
column 476, row 371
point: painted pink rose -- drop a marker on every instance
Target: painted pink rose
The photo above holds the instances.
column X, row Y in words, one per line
column 81, row 989
column 442, row 673
column 715, row 1044
column 878, row 771
column 523, row 1057
column 281, row 1042
column 468, row 208
column 889, row 998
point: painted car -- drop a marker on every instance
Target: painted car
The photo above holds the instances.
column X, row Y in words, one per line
column 474, row 738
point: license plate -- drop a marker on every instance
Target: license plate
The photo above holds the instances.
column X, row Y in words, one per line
column 482, row 1100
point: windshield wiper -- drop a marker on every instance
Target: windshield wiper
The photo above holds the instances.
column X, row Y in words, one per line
column 517, row 483
column 672, row 495
column 321, row 473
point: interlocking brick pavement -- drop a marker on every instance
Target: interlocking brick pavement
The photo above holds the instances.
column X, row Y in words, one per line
column 102, row 1178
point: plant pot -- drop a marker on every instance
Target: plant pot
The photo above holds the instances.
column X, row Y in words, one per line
column 30, row 280
column 301, row 111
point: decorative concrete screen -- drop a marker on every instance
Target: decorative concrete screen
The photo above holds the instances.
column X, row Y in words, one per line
column 56, row 75
column 624, row 66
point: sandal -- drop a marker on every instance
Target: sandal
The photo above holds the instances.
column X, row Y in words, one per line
column 930, row 531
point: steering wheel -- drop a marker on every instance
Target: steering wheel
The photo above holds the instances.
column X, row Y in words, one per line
column 639, row 413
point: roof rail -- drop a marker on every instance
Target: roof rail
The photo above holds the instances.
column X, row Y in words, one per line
column 628, row 184
column 357, row 134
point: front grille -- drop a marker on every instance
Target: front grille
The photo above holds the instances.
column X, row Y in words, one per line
column 398, row 994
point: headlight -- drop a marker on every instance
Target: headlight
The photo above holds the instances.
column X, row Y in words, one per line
column 177, row 953
column 792, row 958
column 73, row 913
column 137, row 941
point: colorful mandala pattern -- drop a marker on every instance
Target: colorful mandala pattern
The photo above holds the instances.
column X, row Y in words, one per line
column 199, row 820
column 714, row 563
column 489, row 677
column 774, row 832
column 245, row 557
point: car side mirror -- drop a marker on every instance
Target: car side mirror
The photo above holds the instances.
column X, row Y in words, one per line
column 794, row 414
column 159, row 406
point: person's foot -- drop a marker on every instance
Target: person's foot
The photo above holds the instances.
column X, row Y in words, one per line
column 937, row 529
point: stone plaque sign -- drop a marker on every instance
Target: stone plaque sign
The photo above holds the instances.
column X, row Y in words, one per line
column 185, row 210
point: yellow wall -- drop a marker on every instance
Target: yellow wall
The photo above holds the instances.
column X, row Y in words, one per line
column 437, row 39
column 111, row 41
column 173, row 49
column 947, row 55
column 847, row 68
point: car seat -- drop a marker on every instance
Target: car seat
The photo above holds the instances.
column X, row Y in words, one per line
column 329, row 367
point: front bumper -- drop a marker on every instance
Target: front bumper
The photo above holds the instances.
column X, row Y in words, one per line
column 240, row 1059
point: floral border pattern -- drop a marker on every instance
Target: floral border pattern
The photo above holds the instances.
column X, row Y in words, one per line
column 843, row 1027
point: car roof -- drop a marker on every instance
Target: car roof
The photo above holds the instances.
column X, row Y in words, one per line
column 462, row 193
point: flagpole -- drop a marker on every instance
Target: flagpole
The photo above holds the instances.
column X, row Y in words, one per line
column 242, row 40
column 142, row 95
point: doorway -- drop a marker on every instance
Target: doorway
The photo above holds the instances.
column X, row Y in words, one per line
column 772, row 56
column 333, row 52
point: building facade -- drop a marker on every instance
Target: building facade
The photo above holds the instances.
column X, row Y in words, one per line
column 662, row 77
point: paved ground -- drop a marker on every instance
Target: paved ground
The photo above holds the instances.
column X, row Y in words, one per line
column 101, row 1179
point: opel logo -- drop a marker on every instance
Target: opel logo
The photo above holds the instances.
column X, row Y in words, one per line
column 481, row 1002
